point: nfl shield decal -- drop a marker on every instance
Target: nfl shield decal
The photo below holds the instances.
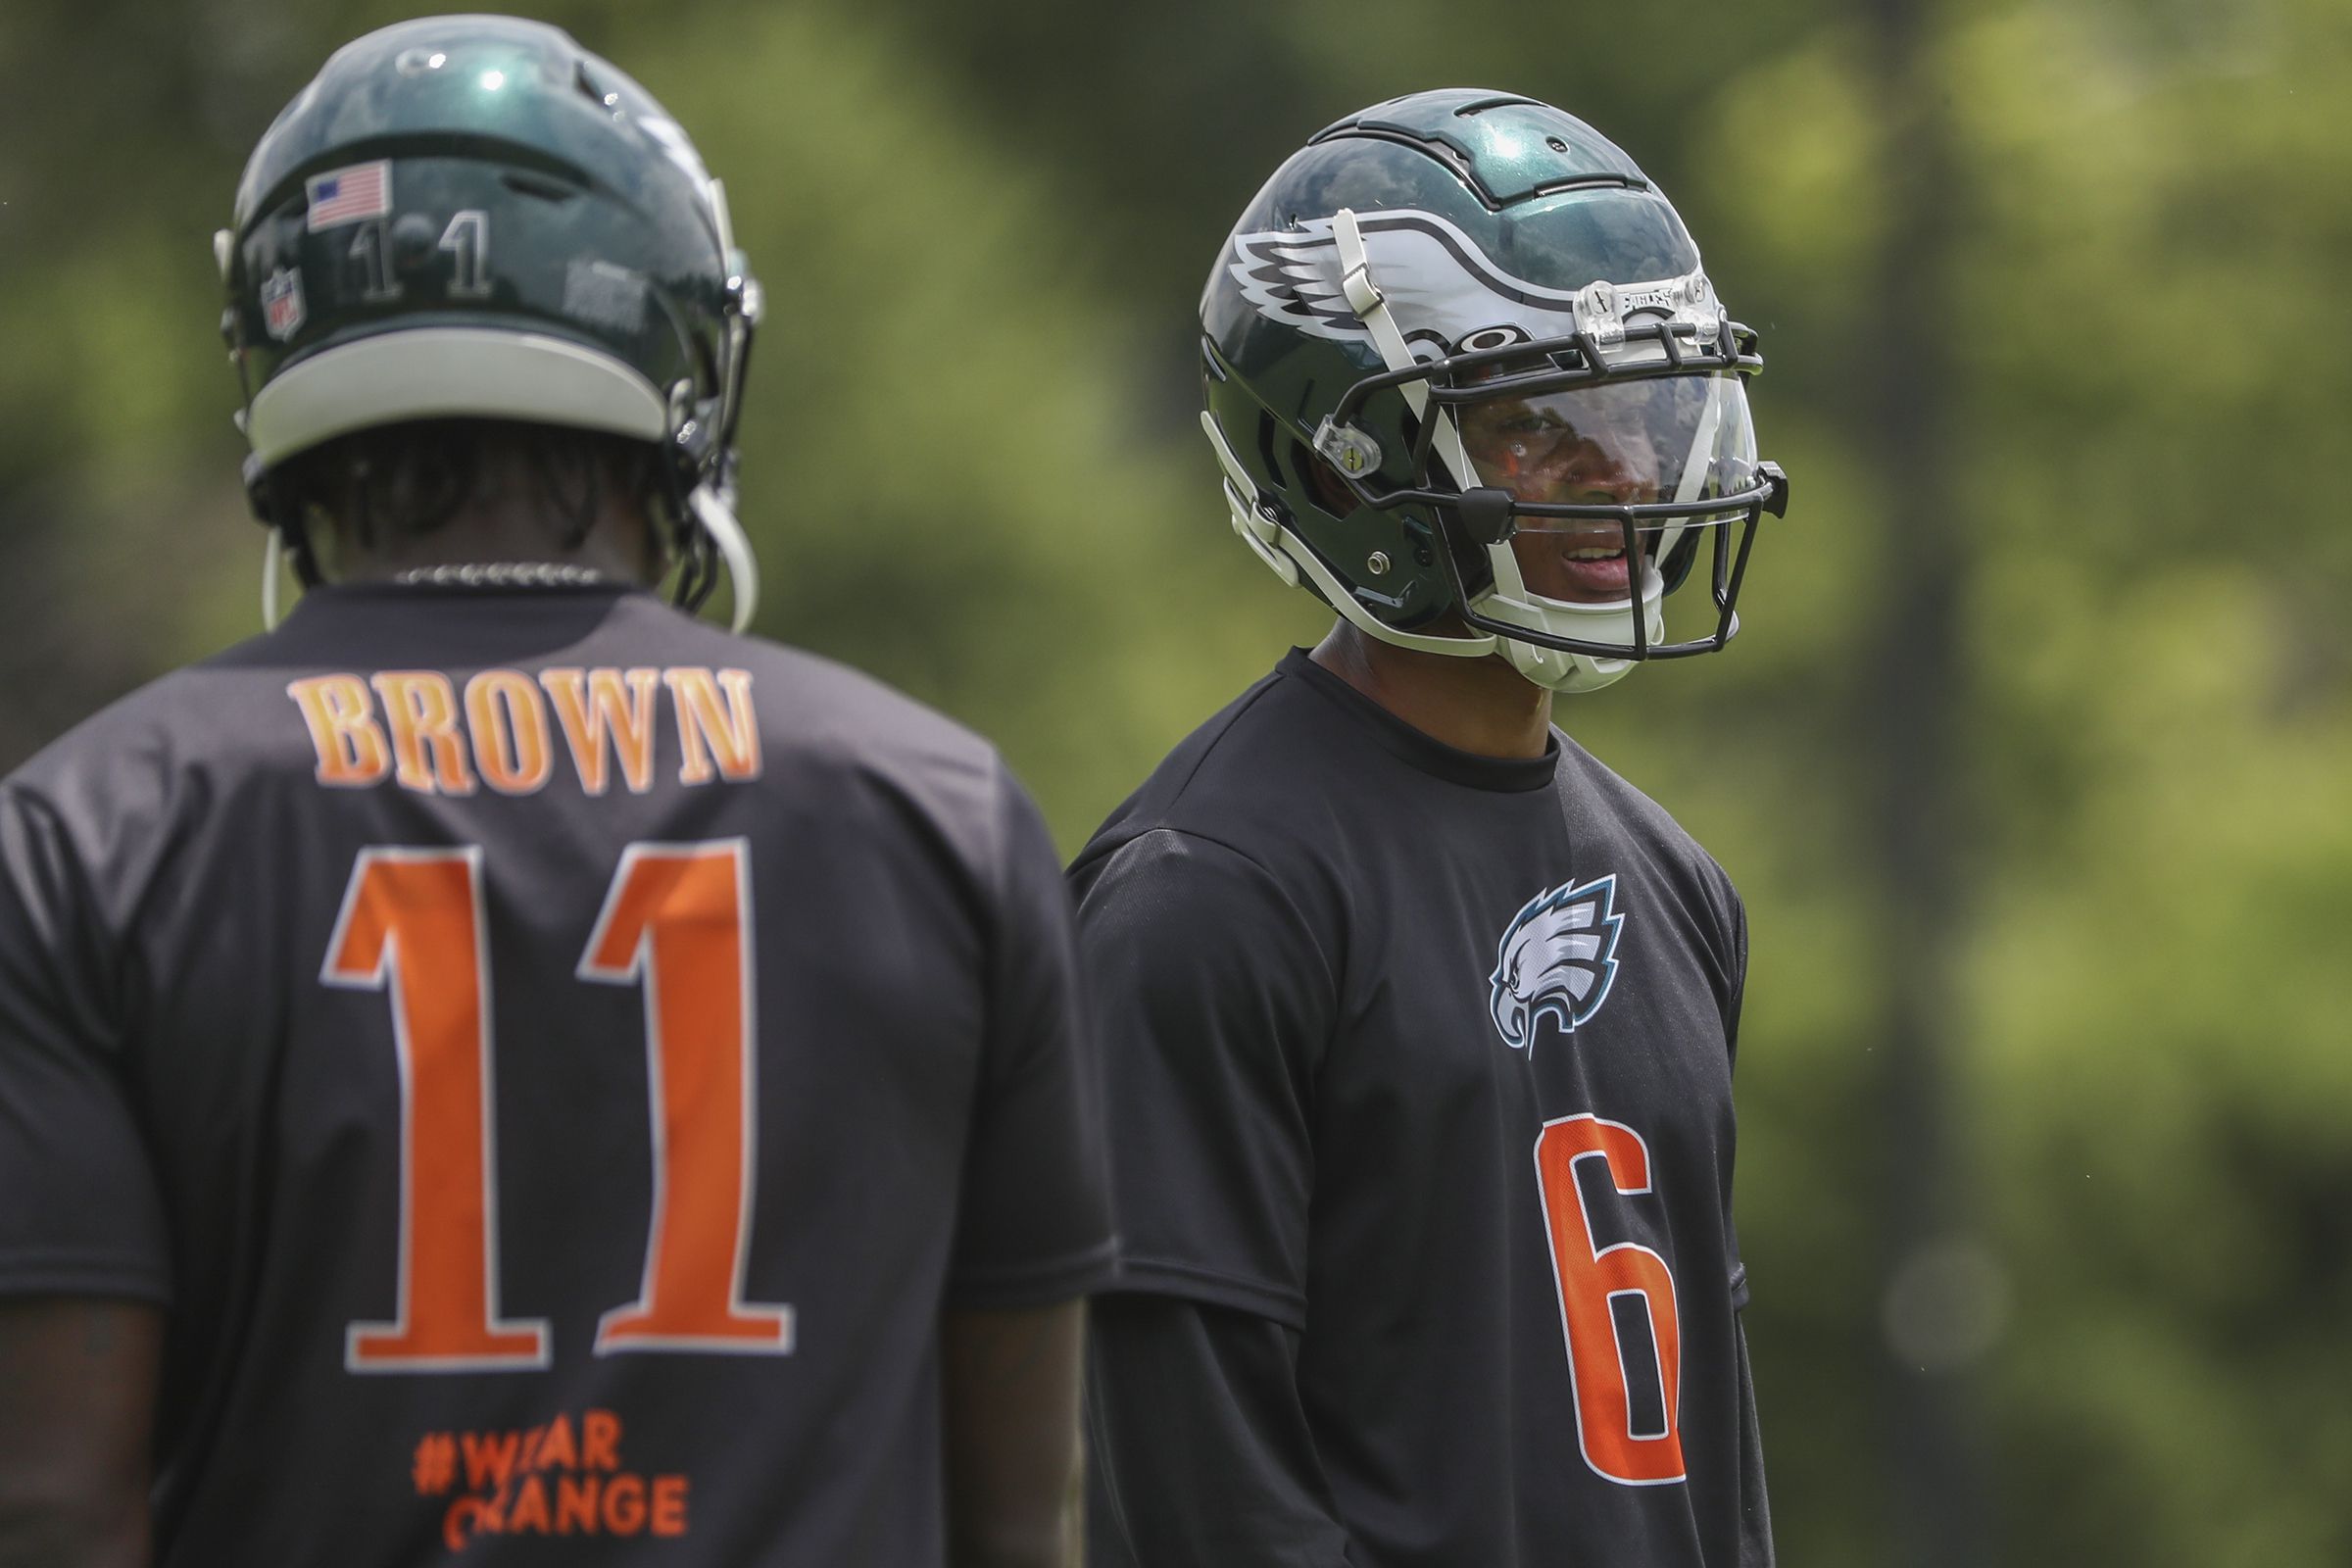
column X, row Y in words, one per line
column 281, row 303
column 1558, row 955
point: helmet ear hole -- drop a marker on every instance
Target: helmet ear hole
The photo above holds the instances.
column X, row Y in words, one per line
column 1265, row 450
column 1321, row 482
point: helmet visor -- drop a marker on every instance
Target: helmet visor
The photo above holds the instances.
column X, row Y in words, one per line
column 1675, row 439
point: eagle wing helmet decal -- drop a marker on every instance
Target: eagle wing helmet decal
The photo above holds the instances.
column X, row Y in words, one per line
column 1294, row 276
column 1556, row 957
column 1437, row 280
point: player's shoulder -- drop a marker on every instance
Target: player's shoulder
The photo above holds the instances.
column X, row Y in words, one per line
column 236, row 722
column 106, row 794
column 1223, row 855
column 1613, row 798
column 825, row 726
column 1606, row 806
column 809, row 701
column 1235, row 784
column 125, row 747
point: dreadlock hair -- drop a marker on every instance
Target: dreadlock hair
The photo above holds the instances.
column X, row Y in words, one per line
column 407, row 481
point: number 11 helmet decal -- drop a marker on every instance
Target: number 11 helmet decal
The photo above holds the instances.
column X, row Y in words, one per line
column 474, row 218
column 1469, row 383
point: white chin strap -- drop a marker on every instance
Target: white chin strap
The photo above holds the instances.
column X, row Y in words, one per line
column 1288, row 557
column 717, row 519
column 734, row 548
column 273, row 568
column 1611, row 621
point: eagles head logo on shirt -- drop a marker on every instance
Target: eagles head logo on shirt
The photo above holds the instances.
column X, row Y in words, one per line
column 1556, row 957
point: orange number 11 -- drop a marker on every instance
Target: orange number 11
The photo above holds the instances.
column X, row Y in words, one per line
column 676, row 924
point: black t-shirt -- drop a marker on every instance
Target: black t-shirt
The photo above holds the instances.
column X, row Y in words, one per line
column 554, row 1060
column 1427, row 1056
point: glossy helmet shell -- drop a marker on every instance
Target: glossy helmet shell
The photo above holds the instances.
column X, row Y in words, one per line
column 475, row 217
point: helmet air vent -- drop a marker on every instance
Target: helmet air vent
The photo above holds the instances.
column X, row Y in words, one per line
column 1553, row 187
column 1210, row 364
column 1265, row 449
column 536, row 185
column 1501, row 100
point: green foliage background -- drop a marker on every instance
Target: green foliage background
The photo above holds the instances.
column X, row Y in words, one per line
column 972, row 467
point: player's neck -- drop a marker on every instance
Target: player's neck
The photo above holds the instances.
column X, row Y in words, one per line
column 509, row 521
column 1480, row 705
column 511, row 540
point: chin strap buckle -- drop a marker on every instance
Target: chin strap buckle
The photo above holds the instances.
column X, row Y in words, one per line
column 1347, row 448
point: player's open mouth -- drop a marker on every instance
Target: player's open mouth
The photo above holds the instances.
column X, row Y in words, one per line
column 1591, row 566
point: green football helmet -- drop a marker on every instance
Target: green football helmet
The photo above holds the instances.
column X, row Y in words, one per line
column 474, row 216
column 1459, row 319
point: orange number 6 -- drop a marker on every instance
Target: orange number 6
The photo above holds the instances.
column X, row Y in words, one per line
column 1592, row 1281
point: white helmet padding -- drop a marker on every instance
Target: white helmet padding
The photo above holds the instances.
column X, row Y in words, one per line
column 450, row 373
column 469, row 373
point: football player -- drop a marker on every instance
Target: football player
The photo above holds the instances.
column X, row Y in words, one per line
column 497, row 1068
column 1419, row 1020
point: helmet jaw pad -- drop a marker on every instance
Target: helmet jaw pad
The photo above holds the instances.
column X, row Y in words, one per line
column 1289, row 558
